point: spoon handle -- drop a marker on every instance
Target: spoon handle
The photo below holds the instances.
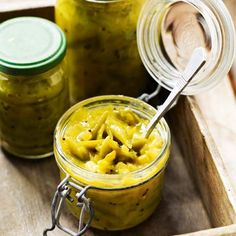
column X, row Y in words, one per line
column 197, row 60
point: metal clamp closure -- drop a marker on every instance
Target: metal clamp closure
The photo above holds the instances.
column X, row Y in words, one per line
column 146, row 97
column 63, row 192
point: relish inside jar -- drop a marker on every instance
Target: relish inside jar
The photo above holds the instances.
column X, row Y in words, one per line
column 110, row 140
column 99, row 143
column 102, row 47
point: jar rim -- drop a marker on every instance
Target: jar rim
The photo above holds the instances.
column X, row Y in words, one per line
column 221, row 27
column 62, row 161
column 104, row 1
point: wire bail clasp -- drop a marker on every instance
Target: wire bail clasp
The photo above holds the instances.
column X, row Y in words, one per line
column 63, row 192
column 146, row 97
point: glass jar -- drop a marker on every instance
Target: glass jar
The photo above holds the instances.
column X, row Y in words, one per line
column 120, row 201
column 102, row 49
column 168, row 31
column 33, row 85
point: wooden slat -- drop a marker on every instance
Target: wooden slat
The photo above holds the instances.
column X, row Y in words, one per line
column 204, row 161
column 16, row 8
column 222, row 231
column 17, row 5
column 44, row 12
column 218, row 107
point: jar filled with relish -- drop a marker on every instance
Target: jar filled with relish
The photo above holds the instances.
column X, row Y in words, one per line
column 102, row 49
column 33, row 85
column 101, row 149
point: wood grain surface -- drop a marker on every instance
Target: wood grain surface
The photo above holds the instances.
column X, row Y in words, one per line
column 204, row 161
column 18, row 5
column 221, row 231
column 218, row 107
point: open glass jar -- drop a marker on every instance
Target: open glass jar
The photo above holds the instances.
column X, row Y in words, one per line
column 33, row 85
column 120, row 201
column 102, row 49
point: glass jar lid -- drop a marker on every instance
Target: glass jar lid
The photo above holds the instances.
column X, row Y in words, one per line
column 30, row 45
column 170, row 30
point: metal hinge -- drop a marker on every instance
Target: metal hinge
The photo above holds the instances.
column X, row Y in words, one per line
column 63, row 192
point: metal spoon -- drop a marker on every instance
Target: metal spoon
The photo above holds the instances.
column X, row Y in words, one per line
column 197, row 60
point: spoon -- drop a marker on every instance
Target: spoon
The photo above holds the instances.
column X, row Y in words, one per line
column 197, row 60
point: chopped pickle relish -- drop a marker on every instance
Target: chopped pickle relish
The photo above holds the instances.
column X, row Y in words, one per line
column 110, row 140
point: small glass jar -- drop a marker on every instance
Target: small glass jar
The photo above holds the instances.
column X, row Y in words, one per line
column 33, row 85
column 102, row 50
column 120, row 201
column 168, row 31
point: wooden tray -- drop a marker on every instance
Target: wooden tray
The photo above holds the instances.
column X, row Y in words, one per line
column 198, row 196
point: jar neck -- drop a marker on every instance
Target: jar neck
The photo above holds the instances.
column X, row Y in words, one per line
column 161, row 35
column 106, row 1
column 41, row 76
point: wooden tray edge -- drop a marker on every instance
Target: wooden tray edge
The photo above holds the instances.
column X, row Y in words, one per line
column 221, row 231
column 200, row 152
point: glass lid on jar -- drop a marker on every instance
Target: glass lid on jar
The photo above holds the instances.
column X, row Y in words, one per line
column 170, row 30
